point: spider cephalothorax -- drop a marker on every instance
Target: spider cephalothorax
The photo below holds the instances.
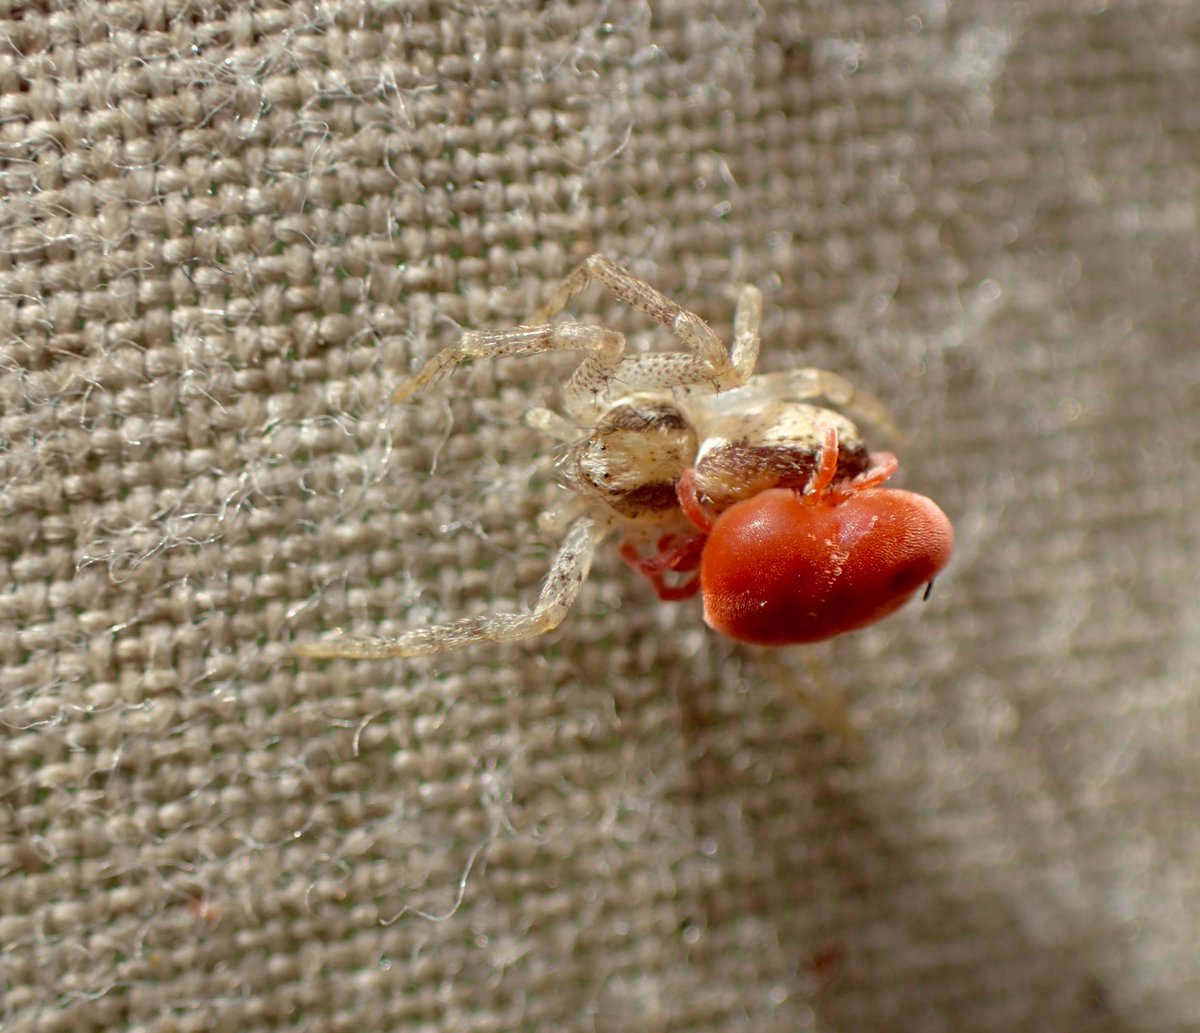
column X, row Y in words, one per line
column 633, row 458
column 718, row 481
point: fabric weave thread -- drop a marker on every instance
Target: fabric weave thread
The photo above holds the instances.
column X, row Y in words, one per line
column 228, row 229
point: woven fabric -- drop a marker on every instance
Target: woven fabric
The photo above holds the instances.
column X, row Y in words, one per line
column 228, row 229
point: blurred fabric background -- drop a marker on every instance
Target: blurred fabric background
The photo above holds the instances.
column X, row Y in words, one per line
column 228, row 230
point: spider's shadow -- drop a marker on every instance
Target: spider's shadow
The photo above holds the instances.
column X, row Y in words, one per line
column 814, row 852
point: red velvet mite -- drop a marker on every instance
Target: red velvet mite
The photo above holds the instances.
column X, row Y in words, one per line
column 789, row 566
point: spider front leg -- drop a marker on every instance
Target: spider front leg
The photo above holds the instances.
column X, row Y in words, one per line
column 586, row 393
column 705, row 365
column 639, row 295
column 608, row 347
column 566, row 576
column 725, row 369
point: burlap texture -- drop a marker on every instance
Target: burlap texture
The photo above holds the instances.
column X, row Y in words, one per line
column 228, row 229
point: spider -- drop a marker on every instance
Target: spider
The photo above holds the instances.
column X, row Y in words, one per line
column 718, row 481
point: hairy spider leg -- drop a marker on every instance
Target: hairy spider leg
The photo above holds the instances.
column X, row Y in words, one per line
column 566, row 576
column 652, row 303
column 810, row 384
column 705, row 365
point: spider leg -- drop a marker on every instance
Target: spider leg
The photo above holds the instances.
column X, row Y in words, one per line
column 639, row 295
column 809, row 384
column 824, row 702
column 566, row 576
column 704, row 365
column 725, row 369
column 608, row 345
column 552, row 425
column 585, row 392
column 747, row 319
column 588, row 387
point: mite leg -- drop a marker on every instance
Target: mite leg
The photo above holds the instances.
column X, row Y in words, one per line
column 883, row 465
column 823, row 475
column 672, row 553
column 689, row 501
column 566, row 576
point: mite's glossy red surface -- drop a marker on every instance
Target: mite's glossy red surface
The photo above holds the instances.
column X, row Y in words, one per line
column 779, row 569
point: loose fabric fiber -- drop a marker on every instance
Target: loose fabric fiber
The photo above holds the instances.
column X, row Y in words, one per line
column 228, row 230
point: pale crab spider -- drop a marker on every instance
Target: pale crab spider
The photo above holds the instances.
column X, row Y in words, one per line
column 773, row 499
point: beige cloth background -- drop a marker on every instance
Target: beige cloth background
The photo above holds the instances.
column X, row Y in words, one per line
column 228, row 229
